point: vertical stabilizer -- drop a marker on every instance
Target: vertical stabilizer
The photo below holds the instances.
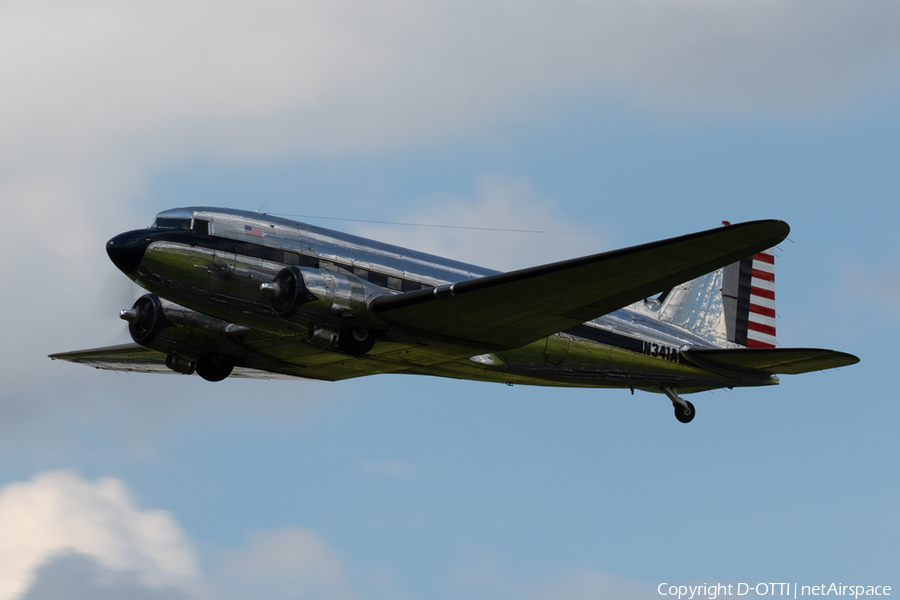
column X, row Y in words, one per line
column 734, row 305
column 697, row 305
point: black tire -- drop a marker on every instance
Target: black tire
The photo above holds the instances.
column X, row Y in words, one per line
column 214, row 367
column 356, row 340
column 685, row 415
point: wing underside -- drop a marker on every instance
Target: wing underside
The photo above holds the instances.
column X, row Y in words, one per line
column 773, row 361
column 132, row 358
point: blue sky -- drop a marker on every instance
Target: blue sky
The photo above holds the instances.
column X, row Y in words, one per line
column 600, row 124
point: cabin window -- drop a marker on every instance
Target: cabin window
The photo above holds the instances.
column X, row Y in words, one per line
column 378, row 279
column 394, row 283
column 292, row 258
column 308, row 261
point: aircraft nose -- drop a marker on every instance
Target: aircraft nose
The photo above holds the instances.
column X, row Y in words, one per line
column 126, row 250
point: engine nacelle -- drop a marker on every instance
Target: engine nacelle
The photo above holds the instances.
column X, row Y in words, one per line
column 190, row 340
column 334, row 306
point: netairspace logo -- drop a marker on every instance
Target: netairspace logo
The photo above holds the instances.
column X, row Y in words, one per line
column 717, row 590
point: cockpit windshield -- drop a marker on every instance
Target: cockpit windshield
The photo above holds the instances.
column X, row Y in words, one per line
column 171, row 223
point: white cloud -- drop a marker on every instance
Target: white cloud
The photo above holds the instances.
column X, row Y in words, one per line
column 58, row 513
column 92, row 81
column 62, row 536
column 285, row 563
column 535, row 233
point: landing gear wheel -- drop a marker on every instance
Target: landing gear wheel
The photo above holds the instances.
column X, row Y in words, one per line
column 356, row 340
column 214, row 367
column 683, row 414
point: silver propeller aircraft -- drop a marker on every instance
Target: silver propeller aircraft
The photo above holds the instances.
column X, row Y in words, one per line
column 251, row 295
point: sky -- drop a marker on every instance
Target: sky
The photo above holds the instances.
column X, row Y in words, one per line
column 592, row 125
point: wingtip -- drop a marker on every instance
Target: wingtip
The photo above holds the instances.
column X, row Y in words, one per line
column 785, row 228
column 776, row 228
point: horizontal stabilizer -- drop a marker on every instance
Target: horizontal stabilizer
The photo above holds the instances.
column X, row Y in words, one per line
column 771, row 361
column 509, row 310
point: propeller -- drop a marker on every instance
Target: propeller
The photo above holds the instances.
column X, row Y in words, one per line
column 115, row 293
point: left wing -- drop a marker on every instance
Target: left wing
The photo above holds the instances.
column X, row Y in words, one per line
column 137, row 359
column 509, row 310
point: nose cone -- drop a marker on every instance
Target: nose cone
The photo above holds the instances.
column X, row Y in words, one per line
column 126, row 250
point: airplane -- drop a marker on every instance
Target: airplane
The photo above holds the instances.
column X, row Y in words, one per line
column 246, row 294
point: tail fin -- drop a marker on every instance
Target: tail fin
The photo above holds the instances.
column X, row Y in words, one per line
column 735, row 304
column 748, row 293
column 697, row 305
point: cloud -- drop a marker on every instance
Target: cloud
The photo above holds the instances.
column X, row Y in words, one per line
column 284, row 563
column 58, row 524
column 74, row 576
column 98, row 82
column 508, row 225
column 67, row 537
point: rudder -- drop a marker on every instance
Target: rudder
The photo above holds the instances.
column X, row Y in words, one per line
column 748, row 294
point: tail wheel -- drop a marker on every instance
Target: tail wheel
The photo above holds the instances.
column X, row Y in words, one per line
column 356, row 340
column 214, row 367
column 685, row 414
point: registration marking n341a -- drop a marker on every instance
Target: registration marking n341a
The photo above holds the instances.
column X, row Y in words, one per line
column 661, row 351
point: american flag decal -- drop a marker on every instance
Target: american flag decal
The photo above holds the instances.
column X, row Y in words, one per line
column 253, row 230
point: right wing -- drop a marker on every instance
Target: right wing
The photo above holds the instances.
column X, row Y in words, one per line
column 509, row 310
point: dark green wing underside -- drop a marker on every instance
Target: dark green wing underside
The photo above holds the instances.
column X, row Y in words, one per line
column 773, row 361
column 512, row 309
column 137, row 359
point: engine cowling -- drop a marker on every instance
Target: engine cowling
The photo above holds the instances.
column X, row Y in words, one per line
column 334, row 306
column 191, row 340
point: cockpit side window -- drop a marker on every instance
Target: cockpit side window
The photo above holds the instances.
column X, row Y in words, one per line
column 171, row 223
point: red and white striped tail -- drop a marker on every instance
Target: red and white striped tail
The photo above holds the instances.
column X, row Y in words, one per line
column 761, row 317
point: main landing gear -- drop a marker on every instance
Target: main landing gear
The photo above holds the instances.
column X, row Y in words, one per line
column 214, row 367
column 684, row 410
